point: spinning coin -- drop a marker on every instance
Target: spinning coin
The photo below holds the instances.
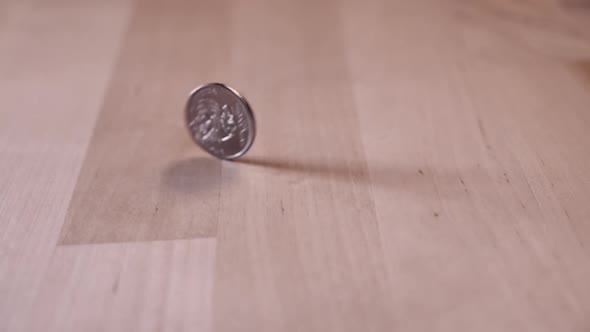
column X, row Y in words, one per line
column 220, row 120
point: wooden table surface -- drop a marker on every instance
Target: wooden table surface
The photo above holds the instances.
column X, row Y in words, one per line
column 419, row 166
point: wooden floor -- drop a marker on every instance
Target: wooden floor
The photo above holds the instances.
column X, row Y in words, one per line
column 419, row 166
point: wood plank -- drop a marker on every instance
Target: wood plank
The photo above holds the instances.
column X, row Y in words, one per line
column 143, row 179
column 55, row 63
column 470, row 109
column 297, row 212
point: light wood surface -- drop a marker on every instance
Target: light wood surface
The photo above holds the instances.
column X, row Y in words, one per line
column 419, row 166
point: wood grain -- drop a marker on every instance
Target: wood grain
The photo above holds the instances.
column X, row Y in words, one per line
column 110, row 281
column 55, row 62
column 135, row 184
column 419, row 166
column 318, row 239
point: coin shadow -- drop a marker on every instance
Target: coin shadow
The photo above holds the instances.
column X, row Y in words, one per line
column 343, row 170
column 407, row 178
column 203, row 174
column 191, row 176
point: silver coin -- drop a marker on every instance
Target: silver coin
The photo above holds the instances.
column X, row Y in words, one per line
column 220, row 120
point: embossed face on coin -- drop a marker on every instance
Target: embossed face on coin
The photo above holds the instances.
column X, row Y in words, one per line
column 220, row 120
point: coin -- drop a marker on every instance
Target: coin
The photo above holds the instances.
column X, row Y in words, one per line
column 220, row 120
